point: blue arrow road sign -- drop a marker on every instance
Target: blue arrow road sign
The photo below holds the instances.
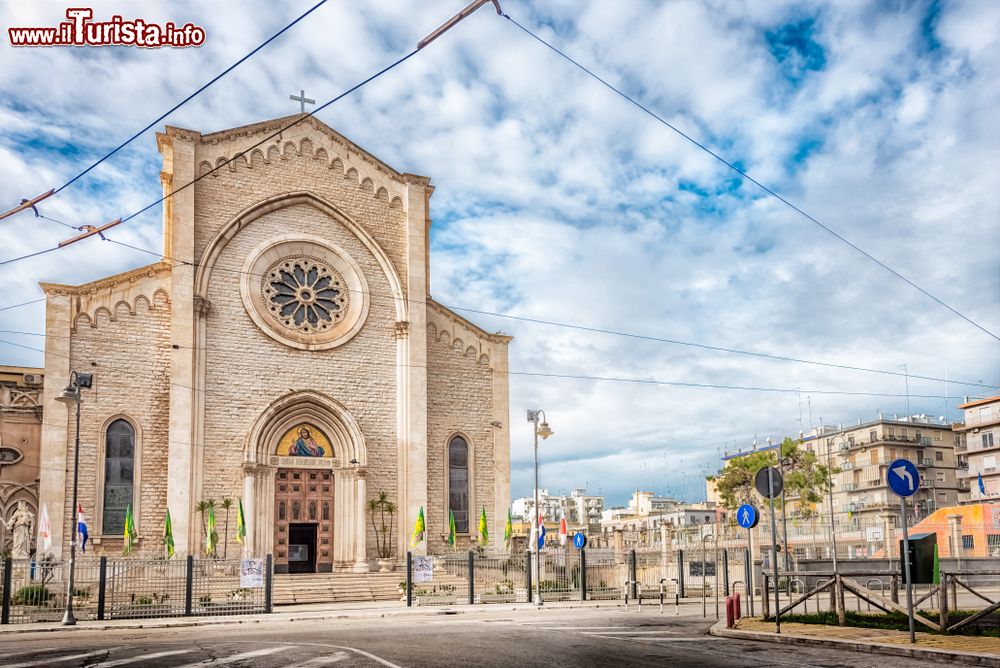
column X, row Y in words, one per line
column 579, row 540
column 902, row 477
column 747, row 516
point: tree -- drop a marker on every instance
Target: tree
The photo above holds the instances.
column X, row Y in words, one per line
column 227, row 503
column 806, row 479
column 382, row 506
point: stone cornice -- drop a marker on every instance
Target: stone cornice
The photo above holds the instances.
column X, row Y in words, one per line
column 276, row 124
column 156, row 269
column 476, row 329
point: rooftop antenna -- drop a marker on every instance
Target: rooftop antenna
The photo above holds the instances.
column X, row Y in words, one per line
column 906, row 376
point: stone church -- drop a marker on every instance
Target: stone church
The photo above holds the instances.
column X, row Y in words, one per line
column 285, row 351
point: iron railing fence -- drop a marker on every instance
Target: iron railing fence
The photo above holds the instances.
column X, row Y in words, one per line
column 128, row 588
column 500, row 579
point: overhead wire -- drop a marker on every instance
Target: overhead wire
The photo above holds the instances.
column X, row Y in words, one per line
column 745, row 175
column 227, row 161
column 614, row 379
column 579, row 327
column 190, row 97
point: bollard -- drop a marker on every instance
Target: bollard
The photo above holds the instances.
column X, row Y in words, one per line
column 188, row 582
column 638, row 594
column 662, row 580
column 409, row 579
column 472, row 577
column 737, row 608
column 730, row 613
column 625, row 593
column 102, row 585
column 8, row 568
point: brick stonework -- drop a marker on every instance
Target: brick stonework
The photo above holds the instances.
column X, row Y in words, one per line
column 123, row 328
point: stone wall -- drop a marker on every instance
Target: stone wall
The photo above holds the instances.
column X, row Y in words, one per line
column 459, row 401
column 128, row 351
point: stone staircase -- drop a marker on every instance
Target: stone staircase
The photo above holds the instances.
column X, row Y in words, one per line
column 336, row 587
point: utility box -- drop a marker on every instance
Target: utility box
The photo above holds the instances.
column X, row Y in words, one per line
column 921, row 558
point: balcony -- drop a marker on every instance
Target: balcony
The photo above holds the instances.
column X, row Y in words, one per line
column 926, row 462
column 847, row 466
column 851, row 487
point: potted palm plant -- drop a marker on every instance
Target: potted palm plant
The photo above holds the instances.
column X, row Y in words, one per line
column 383, row 510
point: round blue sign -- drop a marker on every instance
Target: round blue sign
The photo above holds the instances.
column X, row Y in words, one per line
column 579, row 540
column 747, row 516
column 902, row 477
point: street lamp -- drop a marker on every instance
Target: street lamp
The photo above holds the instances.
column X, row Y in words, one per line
column 544, row 431
column 71, row 396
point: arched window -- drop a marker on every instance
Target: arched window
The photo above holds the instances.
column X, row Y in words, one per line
column 458, row 482
column 119, row 464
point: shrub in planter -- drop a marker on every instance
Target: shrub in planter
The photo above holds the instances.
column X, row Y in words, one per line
column 32, row 595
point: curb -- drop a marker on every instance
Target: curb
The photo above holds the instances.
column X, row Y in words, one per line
column 290, row 616
column 965, row 658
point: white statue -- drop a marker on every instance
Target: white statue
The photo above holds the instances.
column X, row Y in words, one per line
column 20, row 525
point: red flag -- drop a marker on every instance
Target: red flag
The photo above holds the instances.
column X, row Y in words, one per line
column 563, row 529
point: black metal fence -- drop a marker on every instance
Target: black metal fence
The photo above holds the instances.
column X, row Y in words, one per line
column 128, row 588
column 586, row 574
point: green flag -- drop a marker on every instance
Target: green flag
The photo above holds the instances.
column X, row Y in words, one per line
column 241, row 524
column 168, row 534
column 211, row 537
column 418, row 529
column 129, row 534
column 937, row 567
column 508, row 531
column 484, row 531
column 451, row 528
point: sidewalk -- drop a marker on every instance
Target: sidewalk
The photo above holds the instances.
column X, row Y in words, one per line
column 967, row 650
column 295, row 613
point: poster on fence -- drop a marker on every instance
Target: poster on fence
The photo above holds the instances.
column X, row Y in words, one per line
column 423, row 569
column 251, row 573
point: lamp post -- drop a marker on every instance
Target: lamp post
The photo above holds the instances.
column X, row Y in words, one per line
column 544, row 431
column 70, row 396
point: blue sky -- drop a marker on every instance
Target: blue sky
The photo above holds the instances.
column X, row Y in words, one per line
column 557, row 200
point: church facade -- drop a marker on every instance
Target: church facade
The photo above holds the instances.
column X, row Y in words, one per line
column 286, row 352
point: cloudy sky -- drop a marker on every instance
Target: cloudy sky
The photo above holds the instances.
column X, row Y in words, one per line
column 557, row 200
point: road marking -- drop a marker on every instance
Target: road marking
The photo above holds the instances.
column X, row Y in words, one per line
column 624, row 633
column 49, row 660
column 143, row 657
column 369, row 655
column 321, row 660
column 240, row 657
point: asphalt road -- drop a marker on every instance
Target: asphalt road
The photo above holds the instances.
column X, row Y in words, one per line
column 577, row 637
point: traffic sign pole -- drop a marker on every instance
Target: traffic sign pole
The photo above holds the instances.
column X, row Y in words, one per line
column 774, row 558
column 906, row 567
column 903, row 479
column 750, row 568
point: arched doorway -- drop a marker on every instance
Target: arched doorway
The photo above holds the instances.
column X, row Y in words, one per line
column 305, row 479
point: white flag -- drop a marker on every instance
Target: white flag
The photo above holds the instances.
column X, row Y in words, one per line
column 563, row 529
column 44, row 529
column 533, row 538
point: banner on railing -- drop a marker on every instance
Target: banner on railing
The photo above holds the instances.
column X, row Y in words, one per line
column 423, row 569
column 251, row 573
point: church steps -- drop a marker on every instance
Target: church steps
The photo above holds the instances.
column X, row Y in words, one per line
column 342, row 587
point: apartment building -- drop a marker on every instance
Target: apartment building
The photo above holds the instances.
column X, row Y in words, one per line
column 863, row 452
column 979, row 445
column 582, row 510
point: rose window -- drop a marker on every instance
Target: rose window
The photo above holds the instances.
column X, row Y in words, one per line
column 305, row 294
